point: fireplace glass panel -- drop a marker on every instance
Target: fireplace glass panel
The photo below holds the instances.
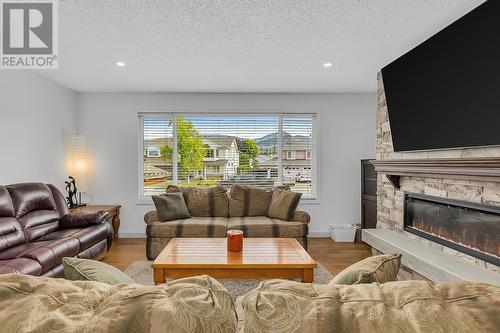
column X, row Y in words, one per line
column 464, row 227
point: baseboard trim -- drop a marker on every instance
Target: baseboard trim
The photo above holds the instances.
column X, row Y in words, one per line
column 131, row 235
column 314, row 234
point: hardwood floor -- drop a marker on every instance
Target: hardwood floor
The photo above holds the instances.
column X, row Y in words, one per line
column 333, row 256
column 125, row 251
column 337, row 256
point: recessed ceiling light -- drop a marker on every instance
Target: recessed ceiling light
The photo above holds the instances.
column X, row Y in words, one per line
column 120, row 64
column 327, row 64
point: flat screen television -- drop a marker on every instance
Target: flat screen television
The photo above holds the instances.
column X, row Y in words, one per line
column 445, row 93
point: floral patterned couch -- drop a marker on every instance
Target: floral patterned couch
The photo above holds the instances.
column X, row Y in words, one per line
column 201, row 304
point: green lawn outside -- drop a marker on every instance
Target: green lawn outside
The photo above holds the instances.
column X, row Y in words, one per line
column 198, row 183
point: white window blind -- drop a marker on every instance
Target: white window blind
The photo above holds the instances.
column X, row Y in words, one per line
column 299, row 151
column 156, row 164
column 203, row 150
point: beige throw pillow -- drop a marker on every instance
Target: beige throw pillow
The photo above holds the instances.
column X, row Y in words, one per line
column 206, row 202
column 283, row 204
column 173, row 188
column 171, row 206
column 78, row 269
column 249, row 201
column 382, row 269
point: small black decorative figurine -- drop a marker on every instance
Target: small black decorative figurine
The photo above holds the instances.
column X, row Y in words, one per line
column 71, row 189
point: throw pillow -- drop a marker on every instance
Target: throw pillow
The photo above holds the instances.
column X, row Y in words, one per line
column 77, row 269
column 283, row 204
column 171, row 206
column 173, row 188
column 249, row 201
column 206, row 202
column 382, row 269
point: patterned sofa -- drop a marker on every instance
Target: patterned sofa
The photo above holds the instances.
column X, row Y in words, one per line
column 281, row 306
column 201, row 304
column 214, row 211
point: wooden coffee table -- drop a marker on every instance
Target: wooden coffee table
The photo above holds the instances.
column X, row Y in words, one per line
column 261, row 258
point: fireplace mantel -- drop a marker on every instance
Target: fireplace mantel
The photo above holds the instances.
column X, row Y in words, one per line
column 482, row 169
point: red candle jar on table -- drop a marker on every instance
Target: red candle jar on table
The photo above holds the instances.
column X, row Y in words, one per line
column 235, row 240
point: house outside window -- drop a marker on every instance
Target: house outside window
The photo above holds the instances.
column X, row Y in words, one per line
column 153, row 153
column 206, row 150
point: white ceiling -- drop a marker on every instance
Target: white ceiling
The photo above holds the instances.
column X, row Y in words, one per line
column 240, row 46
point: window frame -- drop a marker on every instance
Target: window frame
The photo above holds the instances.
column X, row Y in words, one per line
column 169, row 115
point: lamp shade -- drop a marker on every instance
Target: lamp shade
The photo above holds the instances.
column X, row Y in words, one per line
column 79, row 161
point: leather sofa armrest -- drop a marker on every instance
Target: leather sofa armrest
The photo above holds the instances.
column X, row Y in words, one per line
column 301, row 216
column 82, row 220
column 151, row 217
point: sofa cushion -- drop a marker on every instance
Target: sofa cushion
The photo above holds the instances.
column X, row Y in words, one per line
column 404, row 306
column 19, row 250
column 59, row 234
column 91, row 235
column 192, row 227
column 28, row 197
column 11, row 233
column 77, row 269
column 171, row 206
column 283, row 204
column 262, row 226
column 50, row 253
column 38, row 223
column 6, row 206
column 381, row 269
column 87, row 237
column 59, row 200
column 206, row 202
column 37, row 304
column 20, row 266
column 249, row 201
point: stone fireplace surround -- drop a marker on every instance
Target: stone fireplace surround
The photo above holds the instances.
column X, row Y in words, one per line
column 390, row 198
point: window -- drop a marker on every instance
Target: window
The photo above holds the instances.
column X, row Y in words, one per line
column 156, row 141
column 210, row 153
column 153, row 153
column 205, row 150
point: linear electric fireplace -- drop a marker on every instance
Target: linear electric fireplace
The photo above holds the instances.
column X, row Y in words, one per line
column 471, row 228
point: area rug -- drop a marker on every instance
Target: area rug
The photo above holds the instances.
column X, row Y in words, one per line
column 142, row 273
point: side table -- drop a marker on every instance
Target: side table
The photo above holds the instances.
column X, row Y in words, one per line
column 113, row 211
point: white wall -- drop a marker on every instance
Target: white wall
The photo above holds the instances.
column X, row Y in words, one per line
column 347, row 135
column 35, row 115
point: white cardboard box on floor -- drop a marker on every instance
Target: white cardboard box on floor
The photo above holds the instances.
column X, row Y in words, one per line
column 343, row 232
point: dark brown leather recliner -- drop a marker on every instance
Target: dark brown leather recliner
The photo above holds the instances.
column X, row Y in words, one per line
column 37, row 231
